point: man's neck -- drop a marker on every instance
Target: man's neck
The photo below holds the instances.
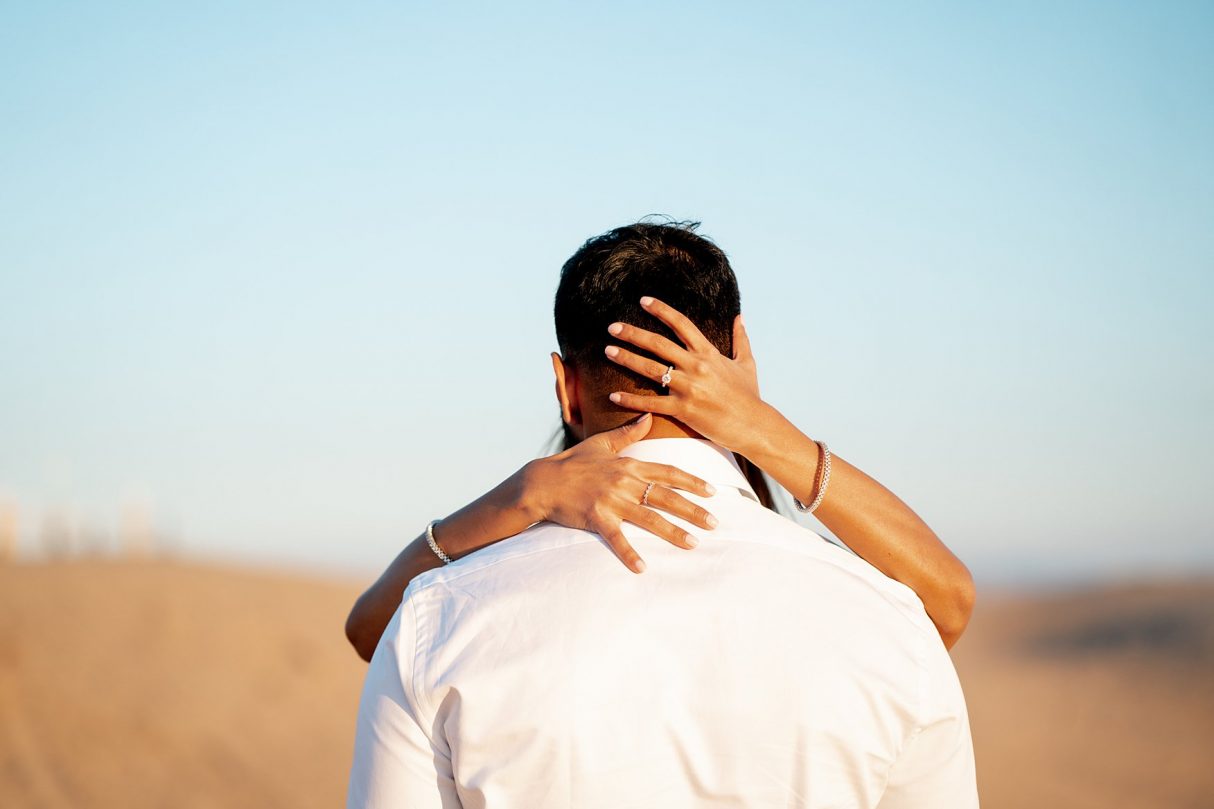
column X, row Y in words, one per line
column 666, row 427
column 663, row 426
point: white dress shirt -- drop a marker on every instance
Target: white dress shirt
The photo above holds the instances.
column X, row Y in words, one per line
column 764, row 668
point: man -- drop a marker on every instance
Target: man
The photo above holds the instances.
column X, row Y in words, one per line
column 768, row 668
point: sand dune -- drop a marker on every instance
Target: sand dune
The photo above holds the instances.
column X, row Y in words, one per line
column 1103, row 698
column 157, row 684
column 130, row 685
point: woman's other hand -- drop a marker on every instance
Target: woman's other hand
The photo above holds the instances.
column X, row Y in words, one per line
column 715, row 395
column 589, row 487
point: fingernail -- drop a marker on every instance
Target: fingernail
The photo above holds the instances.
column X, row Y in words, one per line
column 615, row 328
column 615, row 397
column 611, row 351
column 712, row 521
column 691, row 541
column 708, row 487
column 640, row 566
column 645, row 301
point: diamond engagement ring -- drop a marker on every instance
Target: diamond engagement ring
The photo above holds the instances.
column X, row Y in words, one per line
column 666, row 377
column 645, row 496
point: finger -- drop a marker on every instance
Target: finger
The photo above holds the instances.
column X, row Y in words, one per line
column 656, row 344
column 687, row 331
column 621, row 547
column 673, row 477
column 644, row 366
column 741, row 341
column 662, row 405
column 659, row 526
column 631, row 432
column 674, row 503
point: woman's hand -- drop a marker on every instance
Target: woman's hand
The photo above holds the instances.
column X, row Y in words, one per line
column 589, row 487
column 715, row 395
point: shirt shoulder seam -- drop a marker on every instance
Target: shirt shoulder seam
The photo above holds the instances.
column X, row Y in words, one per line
column 920, row 714
column 417, row 696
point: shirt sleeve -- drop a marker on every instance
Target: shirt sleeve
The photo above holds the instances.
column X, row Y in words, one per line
column 397, row 762
column 936, row 767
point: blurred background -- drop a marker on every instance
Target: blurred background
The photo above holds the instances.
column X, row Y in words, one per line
column 276, row 286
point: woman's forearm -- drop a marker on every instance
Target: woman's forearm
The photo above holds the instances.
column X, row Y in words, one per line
column 870, row 520
column 502, row 512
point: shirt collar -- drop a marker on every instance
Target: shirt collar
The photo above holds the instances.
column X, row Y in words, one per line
column 698, row 456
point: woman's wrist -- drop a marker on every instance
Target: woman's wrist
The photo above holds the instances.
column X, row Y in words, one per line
column 513, row 505
column 532, row 490
column 766, row 435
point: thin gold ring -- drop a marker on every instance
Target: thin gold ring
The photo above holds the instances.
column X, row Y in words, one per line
column 666, row 377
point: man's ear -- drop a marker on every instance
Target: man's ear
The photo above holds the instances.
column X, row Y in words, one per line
column 567, row 392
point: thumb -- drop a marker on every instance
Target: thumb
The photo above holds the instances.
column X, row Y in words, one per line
column 628, row 433
column 741, row 341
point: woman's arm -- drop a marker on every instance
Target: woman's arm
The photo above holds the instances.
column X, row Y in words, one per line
column 869, row 519
column 586, row 486
column 718, row 397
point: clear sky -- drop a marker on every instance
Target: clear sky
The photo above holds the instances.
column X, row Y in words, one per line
column 285, row 273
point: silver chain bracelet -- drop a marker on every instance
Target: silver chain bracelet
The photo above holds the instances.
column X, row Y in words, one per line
column 434, row 545
column 804, row 509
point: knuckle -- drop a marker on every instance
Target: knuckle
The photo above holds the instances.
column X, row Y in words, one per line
column 628, row 471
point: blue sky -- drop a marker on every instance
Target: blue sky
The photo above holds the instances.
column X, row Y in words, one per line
column 285, row 272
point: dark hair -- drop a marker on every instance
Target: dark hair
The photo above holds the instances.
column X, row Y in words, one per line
column 603, row 283
column 604, row 280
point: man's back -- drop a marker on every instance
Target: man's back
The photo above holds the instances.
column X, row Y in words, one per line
column 765, row 668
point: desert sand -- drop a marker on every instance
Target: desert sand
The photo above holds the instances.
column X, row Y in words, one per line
column 165, row 684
